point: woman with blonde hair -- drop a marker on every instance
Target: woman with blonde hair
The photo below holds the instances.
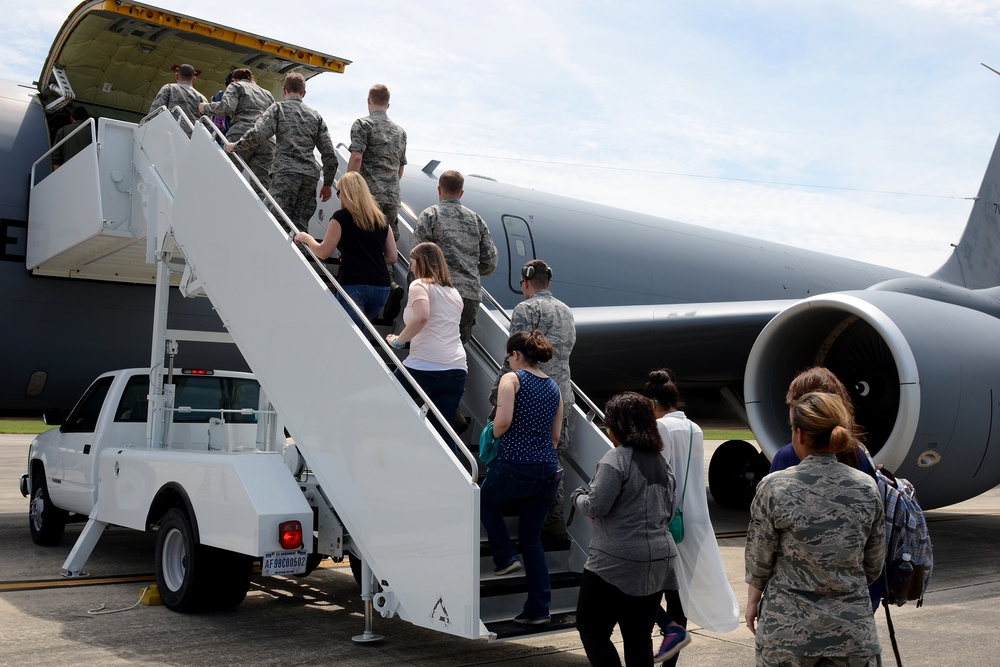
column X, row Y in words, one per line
column 433, row 310
column 359, row 230
column 816, row 539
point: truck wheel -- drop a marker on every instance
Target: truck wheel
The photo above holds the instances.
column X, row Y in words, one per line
column 182, row 565
column 230, row 578
column 46, row 521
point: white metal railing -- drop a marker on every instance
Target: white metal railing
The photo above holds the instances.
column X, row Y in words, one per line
column 88, row 125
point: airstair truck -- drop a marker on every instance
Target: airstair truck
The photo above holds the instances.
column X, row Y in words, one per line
column 375, row 478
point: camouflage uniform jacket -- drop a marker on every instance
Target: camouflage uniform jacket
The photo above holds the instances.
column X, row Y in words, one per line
column 245, row 101
column 299, row 129
column 465, row 241
column 181, row 94
column 816, row 539
column 382, row 145
column 555, row 319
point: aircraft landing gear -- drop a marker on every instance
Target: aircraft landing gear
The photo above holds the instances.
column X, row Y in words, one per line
column 736, row 468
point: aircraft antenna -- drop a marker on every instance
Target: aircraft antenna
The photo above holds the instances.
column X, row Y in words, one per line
column 990, row 68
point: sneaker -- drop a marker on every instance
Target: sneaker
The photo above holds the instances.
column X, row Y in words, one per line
column 524, row 619
column 509, row 568
column 674, row 639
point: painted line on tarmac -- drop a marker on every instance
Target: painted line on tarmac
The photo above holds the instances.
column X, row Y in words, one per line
column 41, row 584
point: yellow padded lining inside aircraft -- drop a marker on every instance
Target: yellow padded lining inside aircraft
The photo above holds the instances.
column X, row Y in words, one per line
column 119, row 62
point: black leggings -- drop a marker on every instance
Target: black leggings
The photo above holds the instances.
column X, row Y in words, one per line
column 600, row 607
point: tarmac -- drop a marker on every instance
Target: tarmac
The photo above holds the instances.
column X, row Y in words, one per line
column 47, row 620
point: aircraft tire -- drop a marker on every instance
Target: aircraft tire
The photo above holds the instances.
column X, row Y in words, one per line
column 45, row 521
column 734, row 472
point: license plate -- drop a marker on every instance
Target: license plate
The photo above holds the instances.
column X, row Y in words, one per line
column 276, row 563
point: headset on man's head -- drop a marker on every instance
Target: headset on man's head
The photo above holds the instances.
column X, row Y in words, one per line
column 528, row 272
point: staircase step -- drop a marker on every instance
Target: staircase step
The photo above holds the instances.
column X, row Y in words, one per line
column 514, row 584
column 510, row 630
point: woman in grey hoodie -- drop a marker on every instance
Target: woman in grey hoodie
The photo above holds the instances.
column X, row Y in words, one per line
column 632, row 554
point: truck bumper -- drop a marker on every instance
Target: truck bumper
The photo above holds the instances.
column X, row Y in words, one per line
column 24, row 485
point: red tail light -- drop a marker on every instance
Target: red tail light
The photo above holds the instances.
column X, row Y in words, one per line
column 290, row 535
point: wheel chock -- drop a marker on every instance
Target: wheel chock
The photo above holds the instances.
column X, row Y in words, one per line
column 151, row 596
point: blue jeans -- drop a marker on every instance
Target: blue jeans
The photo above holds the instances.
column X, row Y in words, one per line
column 534, row 485
column 444, row 388
column 370, row 299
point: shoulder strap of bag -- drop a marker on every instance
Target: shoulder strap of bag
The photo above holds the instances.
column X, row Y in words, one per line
column 892, row 634
column 688, row 469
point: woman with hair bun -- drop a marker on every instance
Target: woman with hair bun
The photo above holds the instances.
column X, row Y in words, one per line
column 526, row 471
column 704, row 594
column 821, row 379
column 816, row 539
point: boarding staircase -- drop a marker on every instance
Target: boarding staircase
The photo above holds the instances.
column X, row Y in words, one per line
column 162, row 199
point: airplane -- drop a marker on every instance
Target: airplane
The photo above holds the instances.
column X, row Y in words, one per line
column 734, row 317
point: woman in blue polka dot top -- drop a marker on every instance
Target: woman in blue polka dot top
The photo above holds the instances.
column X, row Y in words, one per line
column 526, row 471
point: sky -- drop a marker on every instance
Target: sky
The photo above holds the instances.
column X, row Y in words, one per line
column 861, row 128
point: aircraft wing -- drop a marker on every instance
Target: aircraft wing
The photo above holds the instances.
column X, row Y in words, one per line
column 705, row 344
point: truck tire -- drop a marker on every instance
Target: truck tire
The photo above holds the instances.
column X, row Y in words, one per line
column 45, row 521
column 230, row 578
column 183, row 567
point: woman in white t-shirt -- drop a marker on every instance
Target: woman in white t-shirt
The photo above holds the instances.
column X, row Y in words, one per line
column 437, row 357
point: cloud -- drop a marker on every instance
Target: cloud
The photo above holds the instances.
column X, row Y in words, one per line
column 698, row 112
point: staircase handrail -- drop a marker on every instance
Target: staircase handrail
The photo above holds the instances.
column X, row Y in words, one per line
column 374, row 335
column 91, row 127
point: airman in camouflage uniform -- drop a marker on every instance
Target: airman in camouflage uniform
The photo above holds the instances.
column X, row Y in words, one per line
column 378, row 151
column 181, row 94
column 541, row 310
column 465, row 241
column 299, row 130
column 816, row 540
column 245, row 101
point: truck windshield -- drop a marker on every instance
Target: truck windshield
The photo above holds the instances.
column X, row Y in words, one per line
column 198, row 392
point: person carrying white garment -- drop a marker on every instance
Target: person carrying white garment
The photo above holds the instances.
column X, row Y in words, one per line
column 704, row 595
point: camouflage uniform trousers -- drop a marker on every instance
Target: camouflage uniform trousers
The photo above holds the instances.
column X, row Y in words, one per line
column 296, row 195
column 778, row 657
column 555, row 522
column 469, row 311
column 391, row 212
column 259, row 159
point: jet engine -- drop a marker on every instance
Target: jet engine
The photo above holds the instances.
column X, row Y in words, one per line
column 924, row 375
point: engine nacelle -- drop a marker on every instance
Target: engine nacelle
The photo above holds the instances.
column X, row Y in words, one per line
column 924, row 376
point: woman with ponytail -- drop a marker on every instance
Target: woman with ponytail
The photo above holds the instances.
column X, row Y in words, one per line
column 526, row 471
column 816, row 539
column 703, row 595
